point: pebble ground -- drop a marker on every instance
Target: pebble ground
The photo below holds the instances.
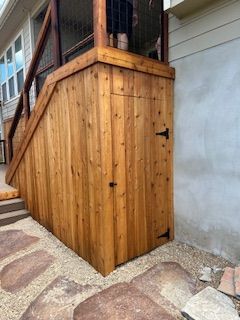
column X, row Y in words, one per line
column 67, row 263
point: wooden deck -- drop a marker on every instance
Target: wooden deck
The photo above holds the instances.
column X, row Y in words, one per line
column 95, row 123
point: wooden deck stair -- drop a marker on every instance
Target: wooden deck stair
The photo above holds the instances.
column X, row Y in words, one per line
column 12, row 210
column 7, row 192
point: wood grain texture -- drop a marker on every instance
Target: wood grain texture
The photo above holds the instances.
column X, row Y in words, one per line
column 141, row 161
column 18, row 135
column 90, row 128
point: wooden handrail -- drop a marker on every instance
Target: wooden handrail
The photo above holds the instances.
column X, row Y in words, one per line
column 57, row 47
column 40, row 45
column 23, row 103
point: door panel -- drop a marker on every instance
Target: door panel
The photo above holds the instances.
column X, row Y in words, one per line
column 139, row 166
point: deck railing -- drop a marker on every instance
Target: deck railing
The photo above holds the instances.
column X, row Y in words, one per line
column 2, row 151
column 52, row 32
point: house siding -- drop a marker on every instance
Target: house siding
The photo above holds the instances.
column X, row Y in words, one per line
column 204, row 50
column 9, row 107
column 211, row 27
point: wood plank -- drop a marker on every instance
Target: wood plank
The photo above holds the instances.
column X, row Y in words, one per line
column 119, row 177
column 169, row 145
column 38, row 112
column 106, row 218
column 93, row 163
column 133, row 61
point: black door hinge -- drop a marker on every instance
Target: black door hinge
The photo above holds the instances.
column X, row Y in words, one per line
column 163, row 133
column 112, row 184
column 165, row 235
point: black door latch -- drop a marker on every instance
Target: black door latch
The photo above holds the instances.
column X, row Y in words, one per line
column 112, row 184
column 163, row 133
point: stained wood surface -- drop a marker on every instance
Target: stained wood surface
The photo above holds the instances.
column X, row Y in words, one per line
column 100, row 23
column 141, row 161
column 7, row 192
column 88, row 129
column 18, row 134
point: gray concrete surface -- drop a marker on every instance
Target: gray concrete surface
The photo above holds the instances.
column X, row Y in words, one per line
column 207, row 150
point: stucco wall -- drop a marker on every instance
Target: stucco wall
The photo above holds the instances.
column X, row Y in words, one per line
column 207, row 149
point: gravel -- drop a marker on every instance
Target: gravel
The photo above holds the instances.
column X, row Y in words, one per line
column 69, row 264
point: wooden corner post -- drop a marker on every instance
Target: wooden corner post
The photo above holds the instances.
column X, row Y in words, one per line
column 164, row 34
column 57, row 50
column 100, row 23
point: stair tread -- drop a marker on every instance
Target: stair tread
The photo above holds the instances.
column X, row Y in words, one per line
column 11, row 201
column 8, row 193
column 14, row 214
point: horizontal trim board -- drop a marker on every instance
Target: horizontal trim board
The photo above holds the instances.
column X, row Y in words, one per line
column 214, row 20
column 208, row 40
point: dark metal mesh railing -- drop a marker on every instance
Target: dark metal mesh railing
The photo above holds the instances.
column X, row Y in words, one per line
column 135, row 26
column 76, row 27
column 2, row 152
column 76, row 35
column 66, row 29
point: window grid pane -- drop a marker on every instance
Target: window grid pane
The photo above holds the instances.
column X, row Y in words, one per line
column 2, row 70
column 18, row 53
column 11, row 87
column 20, row 80
column 4, row 92
column 10, row 62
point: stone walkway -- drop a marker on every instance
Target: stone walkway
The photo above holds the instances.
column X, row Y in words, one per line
column 42, row 279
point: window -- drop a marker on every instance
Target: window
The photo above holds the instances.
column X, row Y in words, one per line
column 12, row 70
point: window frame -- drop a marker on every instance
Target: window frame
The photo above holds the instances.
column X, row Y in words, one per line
column 15, row 71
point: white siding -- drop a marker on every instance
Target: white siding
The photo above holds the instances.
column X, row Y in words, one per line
column 213, row 26
column 8, row 109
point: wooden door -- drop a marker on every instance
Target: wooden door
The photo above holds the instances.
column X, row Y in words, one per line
column 140, row 172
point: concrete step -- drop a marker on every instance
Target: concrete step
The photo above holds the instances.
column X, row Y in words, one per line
column 13, row 216
column 11, row 205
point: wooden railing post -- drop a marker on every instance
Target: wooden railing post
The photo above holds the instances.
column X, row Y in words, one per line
column 57, row 49
column 164, row 35
column 26, row 105
column 100, row 23
column 10, row 149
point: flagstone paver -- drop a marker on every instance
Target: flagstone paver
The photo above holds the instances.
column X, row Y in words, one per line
column 57, row 301
column 227, row 282
column 12, row 241
column 168, row 284
column 210, row 304
column 121, row 301
column 19, row 273
column 237, row 282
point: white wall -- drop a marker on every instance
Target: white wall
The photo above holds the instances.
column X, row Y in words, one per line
column 207, row 131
